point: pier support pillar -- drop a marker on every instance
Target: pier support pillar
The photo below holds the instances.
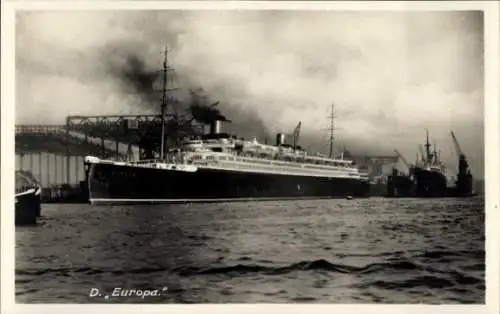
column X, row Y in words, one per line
column 40, row 171
column 117, row 151
column 55, row 169
column 67, row 152
column 103, row 148
column 21, row 159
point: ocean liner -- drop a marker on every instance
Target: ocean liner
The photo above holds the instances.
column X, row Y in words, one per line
column 217, row 166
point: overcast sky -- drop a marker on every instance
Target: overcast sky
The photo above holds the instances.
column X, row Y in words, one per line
column 390, row 75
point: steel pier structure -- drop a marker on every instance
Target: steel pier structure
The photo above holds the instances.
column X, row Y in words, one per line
column 54, row 153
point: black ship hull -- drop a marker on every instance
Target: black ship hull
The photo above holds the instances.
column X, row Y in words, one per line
column 425, row 184
column 111, row 183
column 378, row 189
column 430, row 184
column 27, row 206
column 400, row 186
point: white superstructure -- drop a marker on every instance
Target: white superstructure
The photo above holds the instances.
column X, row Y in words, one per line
column 232, row 154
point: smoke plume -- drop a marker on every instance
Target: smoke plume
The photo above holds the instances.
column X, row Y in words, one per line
column 389, row 74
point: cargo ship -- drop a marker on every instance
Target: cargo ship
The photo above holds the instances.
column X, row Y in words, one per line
column 386, row 181
column 218, row 167
column 378, row 186
column 399, row 184
column 428, row 176
column 27, row 198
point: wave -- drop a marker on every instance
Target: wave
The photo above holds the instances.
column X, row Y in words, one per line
column 417, row 274
column 68, row 271
column 438, row 254
column 417, row 253
column 404, row 266
column 319, row 264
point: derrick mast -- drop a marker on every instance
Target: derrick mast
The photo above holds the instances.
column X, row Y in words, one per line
column 464, row 176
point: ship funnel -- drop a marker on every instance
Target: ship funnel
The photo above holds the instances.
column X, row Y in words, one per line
column 215, row 127
column 280, row 139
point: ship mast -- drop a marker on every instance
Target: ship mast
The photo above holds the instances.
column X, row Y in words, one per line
column 164, row 101
column 436, row 157
column 427, row 147
column 332, row 129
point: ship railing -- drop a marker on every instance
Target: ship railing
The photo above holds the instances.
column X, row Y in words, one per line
column 145, row 161
column 279, row 162
column 214, row 157
column 228, row 165
column 294, row 165
column 245, row 157
column 349, row 169
column 251, row 164
column 308, row 159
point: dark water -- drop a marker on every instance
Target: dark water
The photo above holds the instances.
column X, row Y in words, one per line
column 338, row 251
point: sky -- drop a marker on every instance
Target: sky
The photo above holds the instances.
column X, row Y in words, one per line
column 390, row 75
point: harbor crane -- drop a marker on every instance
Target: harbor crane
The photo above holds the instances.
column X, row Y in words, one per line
column 457, row 146
column 403, row 159
column 464, row 181
column 295, row 135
